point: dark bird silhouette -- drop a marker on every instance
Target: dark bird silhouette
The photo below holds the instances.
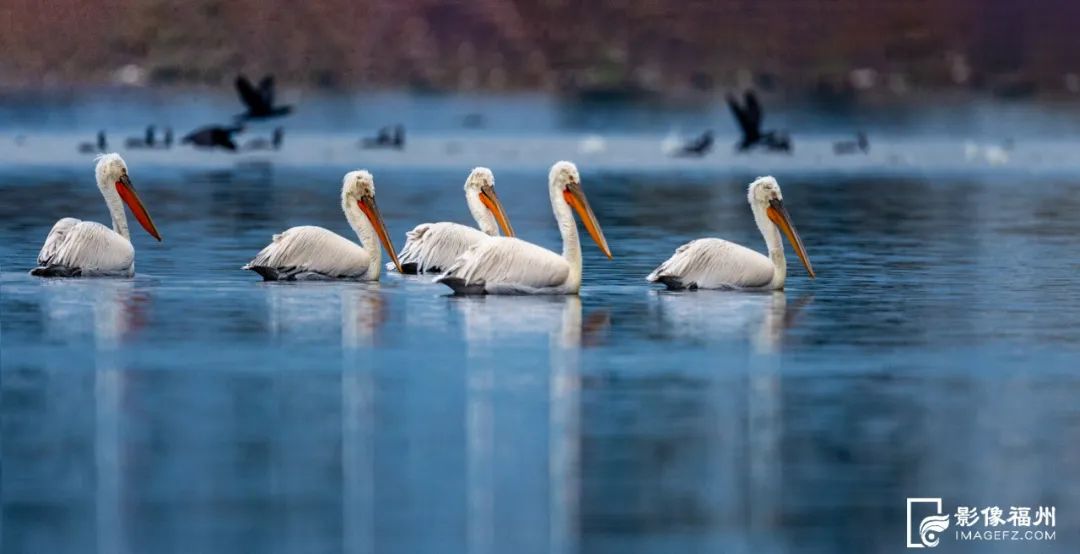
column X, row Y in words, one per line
column 167, row 142
column 749, row 116
column 387, row 137
column 262, row 143
column 473, row 120
column 697, row 147
column 259, row 101
column 94, row 147
column 213, row 136
column 860, row 144
column 145, row 141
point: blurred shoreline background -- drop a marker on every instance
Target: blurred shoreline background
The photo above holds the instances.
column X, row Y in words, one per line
column 836, row 52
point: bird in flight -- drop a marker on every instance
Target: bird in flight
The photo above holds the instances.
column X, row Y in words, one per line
column 213, row 136
column 259, row 101
column 749, row 116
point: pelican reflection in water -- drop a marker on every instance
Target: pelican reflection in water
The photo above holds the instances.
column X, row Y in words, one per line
column 314, row 311
column 108, row 312
column 493, row 326
column 764, row 318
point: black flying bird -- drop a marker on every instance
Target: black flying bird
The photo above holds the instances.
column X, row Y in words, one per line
column 213, row 136
column 259, row 101
column 749, row 116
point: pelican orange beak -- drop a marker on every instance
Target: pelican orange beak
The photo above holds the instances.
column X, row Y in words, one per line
column 779, row 216
column 575, row 197
column 127, row 193
column 371, row 210
column 488, row 198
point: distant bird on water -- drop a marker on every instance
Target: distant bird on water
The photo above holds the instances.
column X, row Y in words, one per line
column 473, row 120
column 749, row 116
column 94, row 147
column 259, row 101
column 697, row 147
column 166, row 143
column 860, row 144
column 145, row 141
column 387, row 137
column 262, row 143
column 213, row 136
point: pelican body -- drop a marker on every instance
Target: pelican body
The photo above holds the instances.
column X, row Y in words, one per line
column 718, row 264
column 433, row 247
column 77, row 248
column 508, row 265
column 313, row 253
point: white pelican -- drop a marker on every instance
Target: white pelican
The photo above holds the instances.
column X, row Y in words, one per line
column 506, row 265
column 433, row 247
column 85, row 248
column 719, row 264
column 313, row 253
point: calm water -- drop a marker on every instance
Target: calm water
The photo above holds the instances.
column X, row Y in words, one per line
column 194, row 408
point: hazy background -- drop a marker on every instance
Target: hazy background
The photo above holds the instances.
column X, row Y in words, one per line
column 838, row 50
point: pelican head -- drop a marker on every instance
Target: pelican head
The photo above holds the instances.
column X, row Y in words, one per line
column 114, row 183
column 358, row 187
column 480, row 186
column 564, row 178
column 765, row 197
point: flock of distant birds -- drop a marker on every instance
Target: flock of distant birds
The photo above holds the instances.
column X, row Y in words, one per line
column 260, row 104
column 750, row 117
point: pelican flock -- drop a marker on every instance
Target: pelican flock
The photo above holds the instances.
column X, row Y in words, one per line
column 469, row 261
column 433, row 247
column 508, row 265
column 718, row 264
column 313, row 253
column 77, row 248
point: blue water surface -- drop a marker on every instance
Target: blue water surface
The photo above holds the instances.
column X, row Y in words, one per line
column 194, row 408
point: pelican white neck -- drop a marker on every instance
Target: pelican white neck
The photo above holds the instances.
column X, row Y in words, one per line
column 110, row 169
column 474, row 185
column 562, row 175
column 354, row 187
column 760, row 193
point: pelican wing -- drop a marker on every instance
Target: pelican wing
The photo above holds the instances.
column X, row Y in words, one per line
column 86, row 248
column 310, row 252
column 56, row 238
column 506, row 264
column 433, row 247
column 714, row 264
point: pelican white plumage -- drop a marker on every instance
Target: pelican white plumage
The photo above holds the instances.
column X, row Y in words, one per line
column 86, row 248
column 314, row 253
column 718, row 264
column 433, row 247
column 507, row 265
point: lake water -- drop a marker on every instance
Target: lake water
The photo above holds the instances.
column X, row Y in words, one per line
column 195, row 409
